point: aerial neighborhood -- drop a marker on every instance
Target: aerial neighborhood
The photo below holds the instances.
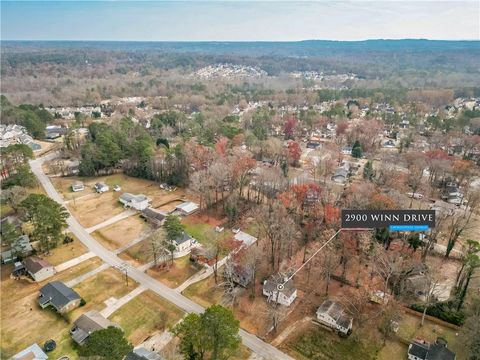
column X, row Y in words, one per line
column 184, row 200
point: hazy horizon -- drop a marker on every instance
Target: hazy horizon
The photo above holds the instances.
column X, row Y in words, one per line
column 235, row 21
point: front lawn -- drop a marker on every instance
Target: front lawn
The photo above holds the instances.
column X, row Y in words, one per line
column 175, row 274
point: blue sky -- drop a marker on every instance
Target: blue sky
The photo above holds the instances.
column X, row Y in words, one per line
column 239, row 20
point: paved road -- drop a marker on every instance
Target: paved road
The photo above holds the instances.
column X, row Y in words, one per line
column 255, row 344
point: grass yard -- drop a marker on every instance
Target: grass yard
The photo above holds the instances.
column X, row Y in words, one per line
column 104, row 285
column 204, row 292
column 199, row 231
column 410, row 329
column 65, row 252
column 24, row 322
column 95, row 208
column 316, row 343
column 176, row 274
column 138, row 254
column 122, row 232
column 82, row 268
column 146, row 314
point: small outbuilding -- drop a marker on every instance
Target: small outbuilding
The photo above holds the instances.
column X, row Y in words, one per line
column 187, row 208
column 101, row 187
column 154, row 216
column 38, row 269
column 78, row 186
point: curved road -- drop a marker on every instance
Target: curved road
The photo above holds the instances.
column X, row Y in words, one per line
column 255, row 344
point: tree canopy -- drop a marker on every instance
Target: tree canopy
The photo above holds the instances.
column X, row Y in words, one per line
column 211, row 335
column 109, row 344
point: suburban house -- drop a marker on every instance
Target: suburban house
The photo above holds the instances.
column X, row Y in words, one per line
column 19, row 248
column 422, row 350
column 332, row 314
column 347, row 150
column 340, row 176
column 137, row 202
column 283, row 297
column 154, row 216
column 143, row 354
column 240, row 274
column 59, row 296
column 78, row 186
column 38, row 269
column 184, row 242
column 244, row 238
column 33, row 352
column 101, row 187
column 187, row 208
column 389, row 144
column 88, row 323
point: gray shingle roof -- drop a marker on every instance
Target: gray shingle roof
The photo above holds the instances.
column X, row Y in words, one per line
column 58, row 294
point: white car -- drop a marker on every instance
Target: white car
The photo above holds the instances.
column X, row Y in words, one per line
column 415, row 195
column 117, row 188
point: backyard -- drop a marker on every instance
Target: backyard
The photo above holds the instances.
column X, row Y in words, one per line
column 175, row 274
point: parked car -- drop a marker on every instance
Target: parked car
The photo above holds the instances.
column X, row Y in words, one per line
column 117, row 188
column 415, row 195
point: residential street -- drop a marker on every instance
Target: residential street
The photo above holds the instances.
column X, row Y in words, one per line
column 258, row 346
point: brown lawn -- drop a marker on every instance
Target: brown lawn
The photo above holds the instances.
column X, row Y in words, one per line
column 138, row 254
column 174, row 274
column 23, row 322
column 65, row 252
column 146, row 314
column 104, row 285
column 122, row 232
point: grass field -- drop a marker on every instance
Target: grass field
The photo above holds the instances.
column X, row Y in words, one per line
column 146, row 314
column 104, row 285
column 65, row 252
column 204, row 292
column 138, row 254
column 122, row 232
column 317, row 343
column 176, row 274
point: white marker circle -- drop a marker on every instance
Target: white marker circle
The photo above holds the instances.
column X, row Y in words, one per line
column 280, row 287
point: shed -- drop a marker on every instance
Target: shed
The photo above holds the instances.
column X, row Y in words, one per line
column 187, row 207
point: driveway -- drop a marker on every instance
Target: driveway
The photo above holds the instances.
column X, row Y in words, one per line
column 258, row 346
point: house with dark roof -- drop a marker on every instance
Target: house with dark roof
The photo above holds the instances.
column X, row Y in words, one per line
column 153, row 216
column 422, row 350
column 88, row 323
column 340, row 175
column 285, row 296
column 332, row 314
column 183, row 243
column 38, row 269
column 240, row 274
column 59, row 296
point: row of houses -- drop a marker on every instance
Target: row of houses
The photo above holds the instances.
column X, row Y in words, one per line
column 15, row 134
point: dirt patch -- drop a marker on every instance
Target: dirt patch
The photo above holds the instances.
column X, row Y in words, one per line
column 137, row 255
column 96, row 208
column 122, row 232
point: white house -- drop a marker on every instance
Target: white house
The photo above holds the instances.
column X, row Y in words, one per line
column 286, row 296
column 38, row 269
column 33, row 352
column 187, row 207
column 138, row 202
column 347, row 150
column 331, row 314
column 184, row 243
column 101, row 187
